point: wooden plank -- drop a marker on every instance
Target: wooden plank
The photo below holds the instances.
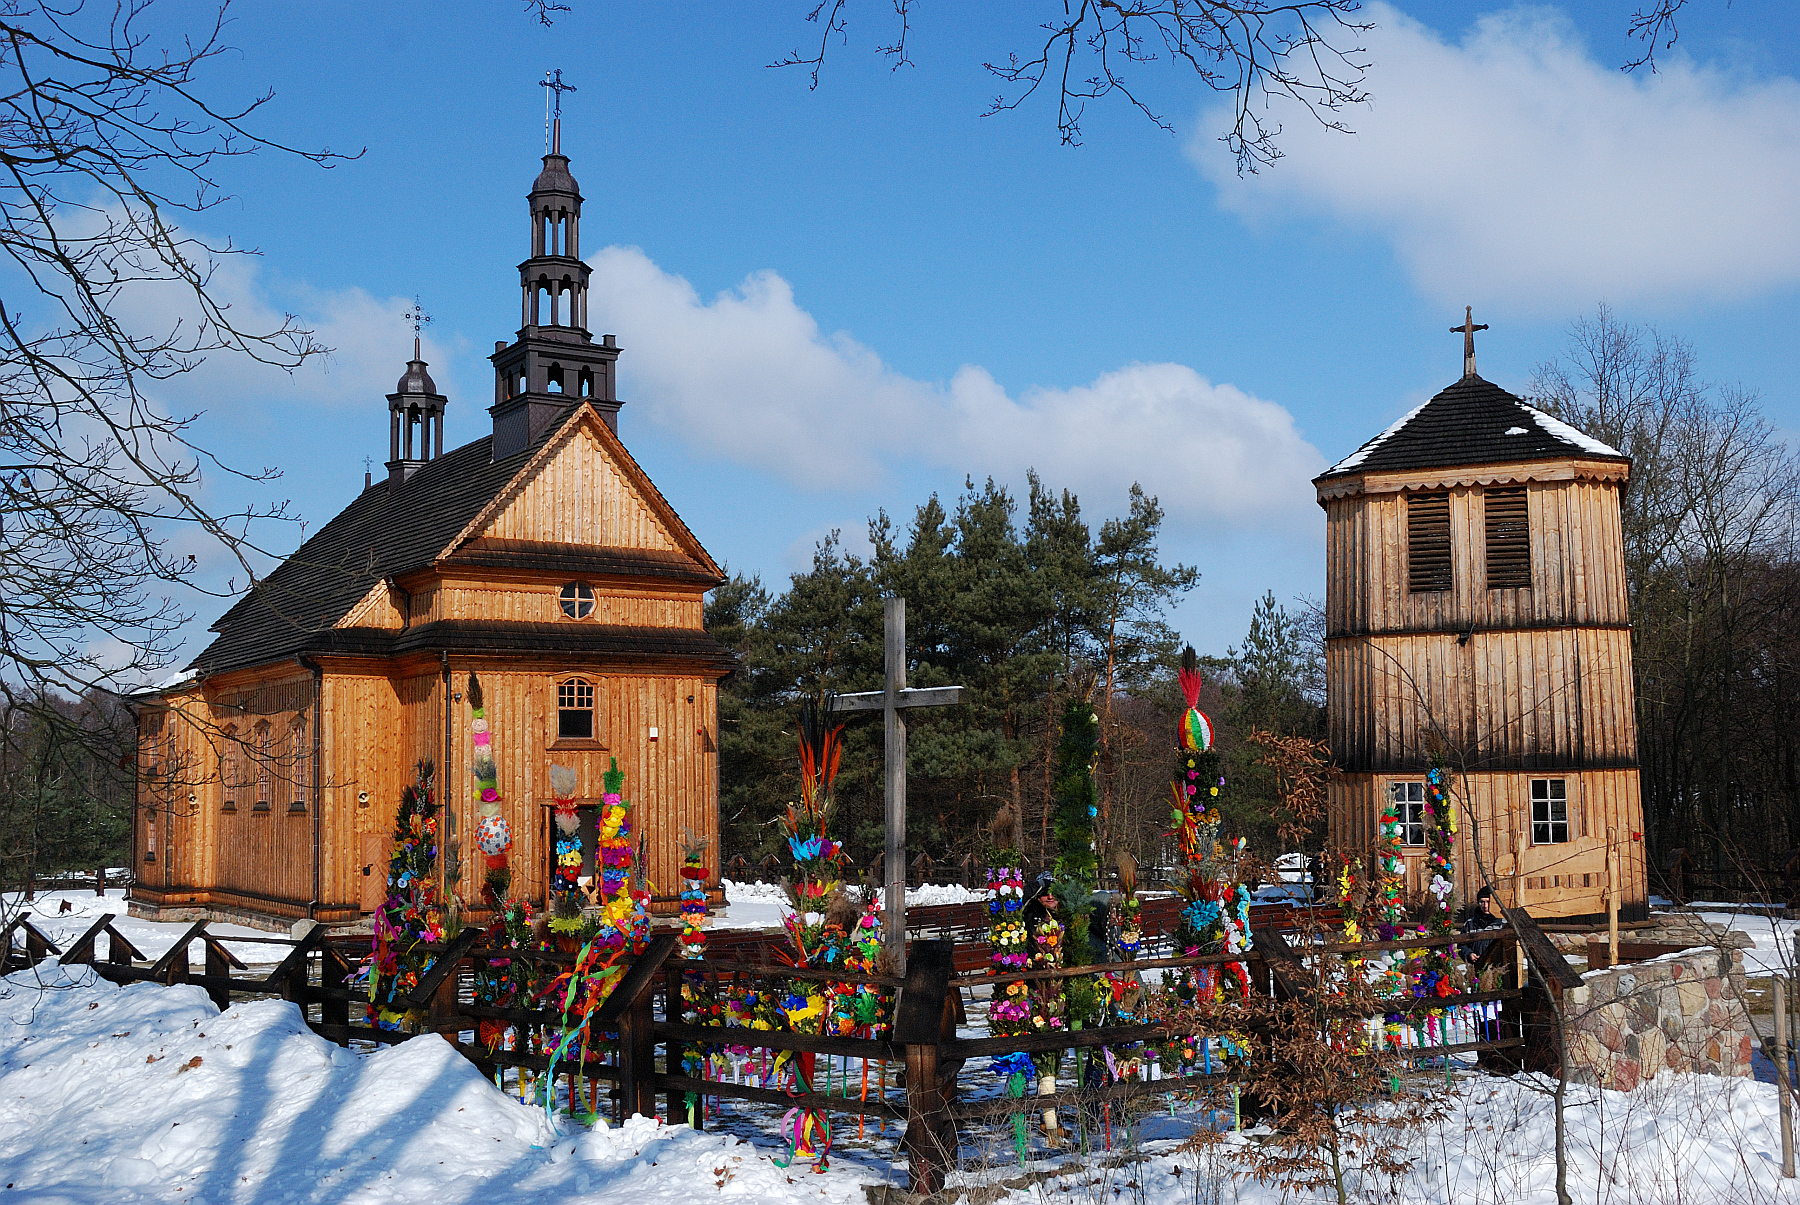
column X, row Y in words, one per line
column 1549, row 961
column 175, row 961
column 1130, row 1090
column 638, row 979
column 83, row 949
column 730, row 1035
column 1285, row 970
column 442, row 968
column 919, row 1011
column 726, row 1090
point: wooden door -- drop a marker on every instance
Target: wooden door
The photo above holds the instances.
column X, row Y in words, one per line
column 372, row 866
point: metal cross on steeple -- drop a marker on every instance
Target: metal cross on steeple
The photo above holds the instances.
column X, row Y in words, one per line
column 419, row 318
column 1468, row 329
column 553, row 83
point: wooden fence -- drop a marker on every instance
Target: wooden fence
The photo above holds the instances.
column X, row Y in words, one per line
column 643, row 1015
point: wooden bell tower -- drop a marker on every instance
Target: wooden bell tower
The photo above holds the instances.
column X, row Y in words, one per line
column 1476, row 605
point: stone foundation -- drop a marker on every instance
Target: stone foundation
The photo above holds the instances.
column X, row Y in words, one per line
column 1682, row 1012
column 1671, row 928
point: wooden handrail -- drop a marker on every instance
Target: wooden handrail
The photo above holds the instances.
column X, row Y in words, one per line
column 638, row 979
column 442, row 967
column 1546, row 957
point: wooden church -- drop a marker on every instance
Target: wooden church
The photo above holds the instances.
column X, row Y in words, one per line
column 1476, row 606
column 540, row 556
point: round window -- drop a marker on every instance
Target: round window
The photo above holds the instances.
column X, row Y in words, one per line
column 577, row 600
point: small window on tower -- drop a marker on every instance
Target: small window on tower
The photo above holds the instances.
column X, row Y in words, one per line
column 575, row 710
column 1427, row 543
column 1549, row 811
column 1508, row 539
column 577, row 599
column 1409, row 809
column 587, row 382
column 556, row 385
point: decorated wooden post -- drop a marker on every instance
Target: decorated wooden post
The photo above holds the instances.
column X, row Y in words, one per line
column 893, row 701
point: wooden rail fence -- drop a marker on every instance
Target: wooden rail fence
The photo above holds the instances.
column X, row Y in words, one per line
column 644, row 1013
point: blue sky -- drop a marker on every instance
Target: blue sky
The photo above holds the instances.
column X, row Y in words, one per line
column 839, row 300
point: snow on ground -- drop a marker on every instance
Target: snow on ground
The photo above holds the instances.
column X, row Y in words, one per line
column 1680, row 1140
column 1774, row 937
column 148, row 1093
column 153, row 938
column 762, row 905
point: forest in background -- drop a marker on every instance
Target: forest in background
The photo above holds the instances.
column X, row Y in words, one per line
column 1025, row 604
column 1712, row 565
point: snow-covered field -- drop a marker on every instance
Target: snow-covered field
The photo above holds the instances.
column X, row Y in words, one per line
column 147, row 1093
column 153, row 938
column 761, row 905
column 1774, row 937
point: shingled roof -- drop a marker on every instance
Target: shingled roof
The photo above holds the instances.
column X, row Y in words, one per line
column 1472, row 422
column 394, row 528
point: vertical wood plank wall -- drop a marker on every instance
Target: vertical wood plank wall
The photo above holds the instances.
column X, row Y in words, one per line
column 1511, row 683
column 1502, row 853
column 581, row 495
column 668, row 781
column 377, row 729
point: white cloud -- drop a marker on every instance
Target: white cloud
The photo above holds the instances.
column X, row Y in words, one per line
column 749, row 377
column 1514, row 166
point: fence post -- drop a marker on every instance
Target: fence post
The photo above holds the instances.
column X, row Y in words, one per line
column 628, row 1009
column 1783, row 1086
column 334, row 968
column 1539, row 1020
column 674, row 1013
column 930, row 1139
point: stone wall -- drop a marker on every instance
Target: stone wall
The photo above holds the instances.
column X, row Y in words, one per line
column 1682, row 1012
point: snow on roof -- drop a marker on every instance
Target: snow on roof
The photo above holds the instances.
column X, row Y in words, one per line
column 181, row 678
column 1357, row 457
column 1568, row 434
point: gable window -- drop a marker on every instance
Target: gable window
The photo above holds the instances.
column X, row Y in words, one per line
column 577, row 599
column 1409, row 806
column 1549, row 811
column 1508, row 539
column 1427, row 543
column 575, row 710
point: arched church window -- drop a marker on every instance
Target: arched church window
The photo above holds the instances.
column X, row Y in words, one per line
column 259, row 744
column 299, row 764
column 587, row 382
column 575, row 710
column 556, row 378
column 577, row 599
column 231, row 768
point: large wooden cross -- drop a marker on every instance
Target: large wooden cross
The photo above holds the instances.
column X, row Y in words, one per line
column 893, row 701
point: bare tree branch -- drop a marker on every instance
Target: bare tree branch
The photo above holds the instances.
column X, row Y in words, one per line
column 1256, row 50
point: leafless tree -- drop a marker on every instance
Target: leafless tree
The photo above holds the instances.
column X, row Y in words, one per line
column 1085, row 50
column 109, row 142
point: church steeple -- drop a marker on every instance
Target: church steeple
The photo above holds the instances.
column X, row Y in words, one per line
column 554, row 359
column 414, row 406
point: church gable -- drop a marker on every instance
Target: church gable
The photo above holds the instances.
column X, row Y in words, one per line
column 584, row 493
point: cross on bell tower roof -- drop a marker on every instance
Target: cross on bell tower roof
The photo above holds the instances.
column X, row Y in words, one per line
column 555, row 360
column 1468, row 329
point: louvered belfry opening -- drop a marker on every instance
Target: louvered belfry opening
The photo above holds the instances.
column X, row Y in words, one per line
column 1508, row 539
column 1427, row 543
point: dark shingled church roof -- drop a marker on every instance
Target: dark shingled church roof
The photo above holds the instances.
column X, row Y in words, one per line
column 392, row 529
column 1472, row 422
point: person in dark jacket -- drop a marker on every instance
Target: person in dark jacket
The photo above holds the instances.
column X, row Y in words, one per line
column 1483, row 914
